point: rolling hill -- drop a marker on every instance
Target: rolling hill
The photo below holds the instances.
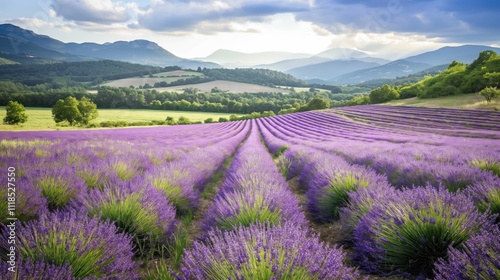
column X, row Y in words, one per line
column 393, row 69
column 27, row 42
column 330, row 69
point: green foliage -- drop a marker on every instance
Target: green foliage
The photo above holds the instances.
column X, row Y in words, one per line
column 254, row 76
column 130, row 217
column 57, row 191
column 336, row 195
column 183, row 120
column 209, row 120
column 72, row 73
column 16, row 113
column 222, row 119
column 459, row 78
column 359, row 100
column 74, row 111
column 493, row 166
column 250, row 213
column 383, row 94
column 318, row 104
column 489, row 93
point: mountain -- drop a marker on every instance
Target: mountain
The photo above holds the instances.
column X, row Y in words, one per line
column 24, row 51
column 235, row 59
column 341, row 54
column 330, row 69
column 137, row 51
column 445, row 55
column 288, row 64
column 393, row 69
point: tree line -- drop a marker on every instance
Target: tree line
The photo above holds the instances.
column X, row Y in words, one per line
column 109, row 97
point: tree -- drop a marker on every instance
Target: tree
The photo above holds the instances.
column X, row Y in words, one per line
column 183, row 120
column 209, row 120
column 383, row 94
column 359, row 100
column 74, row 111
column 16, row 113
column 318, row 104
column 489, row 93
column 88, row 111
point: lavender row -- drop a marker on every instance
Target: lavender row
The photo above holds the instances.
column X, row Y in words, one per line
column 103, row 185
column 256, row 229
column 428, row 124
column 458, row 155
column 407, row 232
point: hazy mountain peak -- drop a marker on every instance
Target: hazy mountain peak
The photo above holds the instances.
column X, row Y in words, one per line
column 341, row 54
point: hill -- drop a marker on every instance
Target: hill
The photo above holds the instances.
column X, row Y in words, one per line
column 74, row 72
column 387, row 71
column 330, row 69
column 234, row 59
column 233, row 87
column 465, row 54
column 137, row 51
column 462, row 101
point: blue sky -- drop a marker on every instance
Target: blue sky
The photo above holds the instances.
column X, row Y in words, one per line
column 195, row 28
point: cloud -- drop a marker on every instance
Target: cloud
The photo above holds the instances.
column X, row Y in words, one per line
column 94, row 11
column 449, row 20
column 188, row 15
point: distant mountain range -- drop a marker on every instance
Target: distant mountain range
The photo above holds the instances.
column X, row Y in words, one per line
column 25, row 43
column 333, row 66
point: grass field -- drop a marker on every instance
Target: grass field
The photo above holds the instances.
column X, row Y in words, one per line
column 233, row 87
column 41, row 118
column 168, row 77
column 463, row 101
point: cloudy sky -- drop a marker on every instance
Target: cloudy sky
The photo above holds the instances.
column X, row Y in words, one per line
column 195, row 28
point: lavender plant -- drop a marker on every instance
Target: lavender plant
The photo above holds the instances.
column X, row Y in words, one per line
column 410, row 234
column 264, row 252
column 478, row 258
column 70, row 241
column 58, row 186
column 29, row 202
column 140, row 211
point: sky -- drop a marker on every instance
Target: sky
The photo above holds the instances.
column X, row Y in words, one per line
column 195, row 28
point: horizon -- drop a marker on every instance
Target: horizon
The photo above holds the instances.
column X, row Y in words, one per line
column 390, row 29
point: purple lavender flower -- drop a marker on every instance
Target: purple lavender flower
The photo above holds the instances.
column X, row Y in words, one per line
column 264, row 252
column 478, row 258
column 70, row 240
column 136, row 209
column 439, row 220
column 29, row 202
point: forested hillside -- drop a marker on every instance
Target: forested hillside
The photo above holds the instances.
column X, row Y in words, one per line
column 458, row 78
column 72, row 73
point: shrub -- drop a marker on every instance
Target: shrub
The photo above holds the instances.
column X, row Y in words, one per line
column 478, row 258
column 410, row 234
column 209, row 120
column 183, row 120
column 489, row 93
column 138, row 210
column 222, row 119
column 260, row 252
column 30, row 203
column 39, row 269
column 70, row 240
column 57, row 186
column 15, row 113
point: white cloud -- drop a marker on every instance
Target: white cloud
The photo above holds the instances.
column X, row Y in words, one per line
column 97, row 11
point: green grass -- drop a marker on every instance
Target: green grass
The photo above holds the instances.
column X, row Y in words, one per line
column 41, row 118
column 462, row 101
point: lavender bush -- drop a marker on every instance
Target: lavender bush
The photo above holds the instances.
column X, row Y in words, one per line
column 70, row 241
column 410, row 234
column 478, row 258
column 263, row 252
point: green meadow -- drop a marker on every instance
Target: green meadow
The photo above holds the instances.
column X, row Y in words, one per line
column 41, row 118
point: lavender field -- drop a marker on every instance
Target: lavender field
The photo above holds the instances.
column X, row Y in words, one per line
column 347, row 193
